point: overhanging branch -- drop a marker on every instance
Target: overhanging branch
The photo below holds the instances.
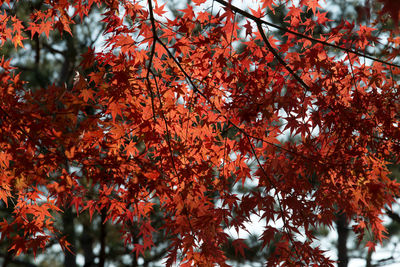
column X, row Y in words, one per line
column 261, row 21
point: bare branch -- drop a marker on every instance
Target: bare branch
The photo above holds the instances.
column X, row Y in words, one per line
column 261, row 21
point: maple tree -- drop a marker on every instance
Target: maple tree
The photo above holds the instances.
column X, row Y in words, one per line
column 171, row 111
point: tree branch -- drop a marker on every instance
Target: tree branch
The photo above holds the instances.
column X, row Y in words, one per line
column 261, row 21
column 394, row 216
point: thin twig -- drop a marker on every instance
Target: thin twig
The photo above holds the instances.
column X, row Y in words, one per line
column 261, row 21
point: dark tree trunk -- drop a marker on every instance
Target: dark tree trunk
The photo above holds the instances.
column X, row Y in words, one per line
column 86, row 241
column 369, row 258
column 343, row 233
column 67, row 71
column 134, row 261
column 7, row 258
column 69, row 231
column 103, row 233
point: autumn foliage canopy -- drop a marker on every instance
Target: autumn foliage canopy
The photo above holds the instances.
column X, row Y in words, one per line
column 171, row 111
